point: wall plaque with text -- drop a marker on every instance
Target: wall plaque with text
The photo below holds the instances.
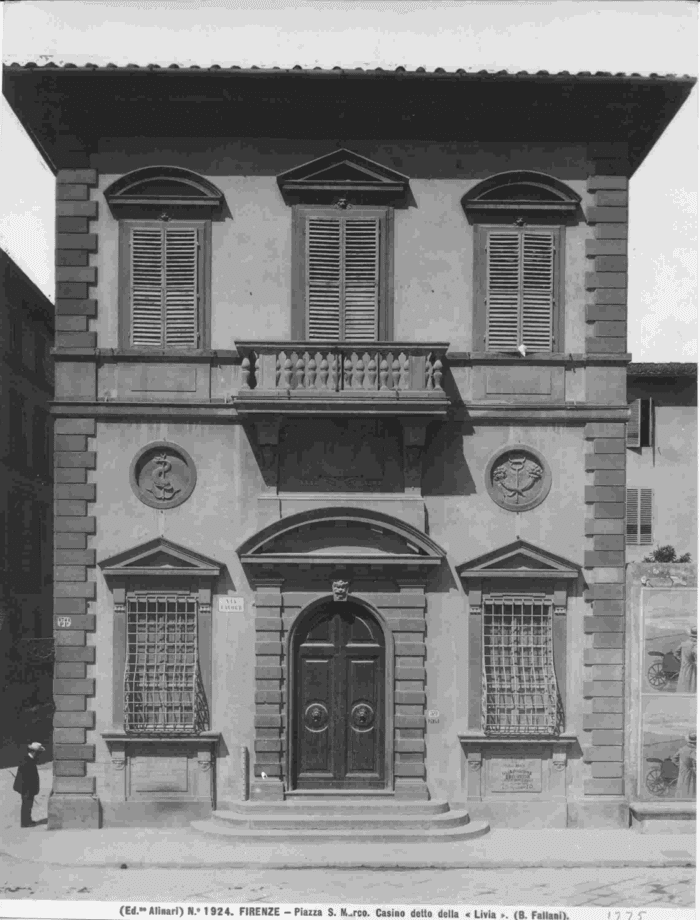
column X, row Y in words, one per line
column 521, row 775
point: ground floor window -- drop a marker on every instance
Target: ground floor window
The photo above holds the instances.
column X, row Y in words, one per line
column 519, row 685
column 162, row 682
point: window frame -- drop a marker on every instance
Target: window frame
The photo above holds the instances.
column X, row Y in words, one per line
column 203, row 227
column 385, row 213
column 480, row 307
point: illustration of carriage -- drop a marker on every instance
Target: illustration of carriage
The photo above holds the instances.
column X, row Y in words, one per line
column 663, row 673
column 662, row 778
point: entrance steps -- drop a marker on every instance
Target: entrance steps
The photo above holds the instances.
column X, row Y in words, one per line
column 343, row 820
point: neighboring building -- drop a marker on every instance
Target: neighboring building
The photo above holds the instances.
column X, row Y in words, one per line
column 26, row 519
column 662, row 459
column 340, row 440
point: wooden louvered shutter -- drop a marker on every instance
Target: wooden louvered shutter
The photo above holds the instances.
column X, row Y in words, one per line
column 181, row 287
column 632, row 515
column 342, row 277
column 537, row 305
column 502, row 290
column 520, row 288
column 634, row 426
column 639, row 515
column 323, row 278
column 164, row 289
column 645, row 515
column 361, row 279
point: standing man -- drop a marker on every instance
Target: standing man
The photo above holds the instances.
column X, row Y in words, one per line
column 27, row 782
column 687, row 652
column 686, row 759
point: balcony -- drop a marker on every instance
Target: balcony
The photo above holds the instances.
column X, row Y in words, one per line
column 342, row 378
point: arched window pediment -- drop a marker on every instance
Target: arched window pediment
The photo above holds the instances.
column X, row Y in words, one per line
column 162, row 187
column 520, row 191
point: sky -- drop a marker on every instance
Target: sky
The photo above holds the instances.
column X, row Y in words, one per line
column 618, row 35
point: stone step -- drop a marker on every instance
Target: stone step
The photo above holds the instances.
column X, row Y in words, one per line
column 263, row 836
column 302, row 820
column 338, row 806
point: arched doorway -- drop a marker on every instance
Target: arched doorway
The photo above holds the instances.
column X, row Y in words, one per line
column 337, row 724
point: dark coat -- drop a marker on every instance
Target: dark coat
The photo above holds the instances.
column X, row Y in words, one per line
column 27, row 779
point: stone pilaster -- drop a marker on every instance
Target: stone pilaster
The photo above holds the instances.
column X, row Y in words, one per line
column 269, row 713
column 604, row 627
column 408, row 624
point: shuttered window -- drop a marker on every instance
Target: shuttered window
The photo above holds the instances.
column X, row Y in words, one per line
column 639, row 516
column 165, row 284
column 343, row 275
column 640, row 428
column 518, row 281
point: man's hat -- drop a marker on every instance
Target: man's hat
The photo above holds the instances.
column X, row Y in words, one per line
column 35, row 746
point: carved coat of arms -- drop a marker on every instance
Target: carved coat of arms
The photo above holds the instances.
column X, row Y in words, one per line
column 518, row 480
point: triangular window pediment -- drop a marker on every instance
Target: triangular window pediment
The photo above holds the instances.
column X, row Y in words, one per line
column 160, row 556
column 346, row 176
column 519, row 559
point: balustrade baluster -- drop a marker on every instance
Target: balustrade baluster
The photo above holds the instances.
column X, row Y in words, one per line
column 323, row 374
column 358, row 375
column 347, row 373
column 428, row 378
column 371, row 372
column 405, row 381
column 245, row 373
column 310, row 381
column 286, row 374
column 395, row 373
column 383, row 374
column 299, row 373
column 437, row 374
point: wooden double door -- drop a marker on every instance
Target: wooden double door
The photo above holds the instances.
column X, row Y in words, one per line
column 338, row 716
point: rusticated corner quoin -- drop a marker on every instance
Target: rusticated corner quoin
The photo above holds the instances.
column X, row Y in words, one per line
column 606, row 279
column 604, row 626
column 74, row 595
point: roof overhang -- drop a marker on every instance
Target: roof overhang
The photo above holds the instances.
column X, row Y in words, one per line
column 64, row 108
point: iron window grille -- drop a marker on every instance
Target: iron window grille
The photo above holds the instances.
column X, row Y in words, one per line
column 163, row 691
column 519, row 686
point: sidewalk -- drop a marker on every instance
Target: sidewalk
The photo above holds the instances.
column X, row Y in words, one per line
column 185, row 848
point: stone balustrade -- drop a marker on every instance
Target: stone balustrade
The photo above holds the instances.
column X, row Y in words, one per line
column 326, row 369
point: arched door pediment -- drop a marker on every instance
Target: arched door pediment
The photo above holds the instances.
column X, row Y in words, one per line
column 339, row 538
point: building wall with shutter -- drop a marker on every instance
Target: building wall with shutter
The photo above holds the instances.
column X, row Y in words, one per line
column 669, row 466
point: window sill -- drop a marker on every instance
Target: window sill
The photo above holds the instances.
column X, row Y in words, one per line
column 121, row 737
column 483, row 740
column 548, row 357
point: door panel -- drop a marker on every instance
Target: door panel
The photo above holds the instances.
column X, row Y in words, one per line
column 338, row 718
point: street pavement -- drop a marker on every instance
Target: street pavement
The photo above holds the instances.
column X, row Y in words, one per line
column 635, row 886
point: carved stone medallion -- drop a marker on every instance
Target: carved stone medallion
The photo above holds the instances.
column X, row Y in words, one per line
column 163, row 475
column 518, row 478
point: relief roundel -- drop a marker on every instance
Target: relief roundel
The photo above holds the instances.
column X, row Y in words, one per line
column 518, row 478
column 316, row 717
column 163, row 475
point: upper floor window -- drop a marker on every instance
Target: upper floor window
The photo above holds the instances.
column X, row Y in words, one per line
column 165, row 216
column 343, row 247
column 640, row 428
column 519, row 223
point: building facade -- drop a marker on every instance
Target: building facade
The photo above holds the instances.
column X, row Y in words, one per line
column 340, row 438
column 26, row 518
column 662, row 439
